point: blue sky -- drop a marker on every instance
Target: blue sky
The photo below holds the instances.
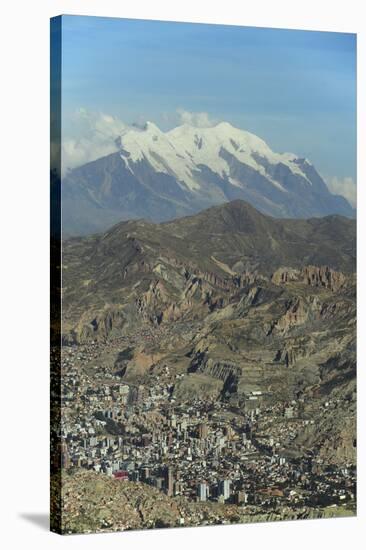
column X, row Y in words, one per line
column 295, row 89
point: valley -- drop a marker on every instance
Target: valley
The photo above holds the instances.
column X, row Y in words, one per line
column 211, row 359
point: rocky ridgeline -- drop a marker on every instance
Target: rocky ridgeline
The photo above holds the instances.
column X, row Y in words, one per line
column 294, row 349
column 171, row 297
column 311, row 275
column 222, row 370
column 200, row 292
column 297, row 313
column 138, row 271
column 198, row 289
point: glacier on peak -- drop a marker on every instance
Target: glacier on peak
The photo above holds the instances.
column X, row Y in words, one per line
column 184, row 150
column 162, row 175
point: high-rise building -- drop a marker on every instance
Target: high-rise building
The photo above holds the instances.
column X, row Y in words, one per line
column 65, row 459
column 145, row 474
column 202, row 491
column 169, row 481
column 202, row 430
column 224, row 488
column 228, row 432
column 159, row 482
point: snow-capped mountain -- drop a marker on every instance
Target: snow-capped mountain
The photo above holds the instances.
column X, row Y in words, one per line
column 181, row 151
column 163, row 175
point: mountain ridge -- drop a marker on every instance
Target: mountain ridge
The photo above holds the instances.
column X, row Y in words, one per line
column 222, row 247
column 167, row 175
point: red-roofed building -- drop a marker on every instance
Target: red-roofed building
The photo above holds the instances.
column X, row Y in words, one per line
column 122, row 475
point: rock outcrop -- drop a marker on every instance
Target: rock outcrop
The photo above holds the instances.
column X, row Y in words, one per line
column 312, row 275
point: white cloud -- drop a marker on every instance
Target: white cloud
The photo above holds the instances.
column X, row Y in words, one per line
column 200, row 120
column 93, row 136
column 90, row 135
column 343, row 186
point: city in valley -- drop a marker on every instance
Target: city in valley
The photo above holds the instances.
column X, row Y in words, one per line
column 205, row 450
column 216, row 394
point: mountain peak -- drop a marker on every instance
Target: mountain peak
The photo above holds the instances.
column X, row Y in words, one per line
column 234, row 216
column 151, row 127
column 224, row 124
column 163, row 175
